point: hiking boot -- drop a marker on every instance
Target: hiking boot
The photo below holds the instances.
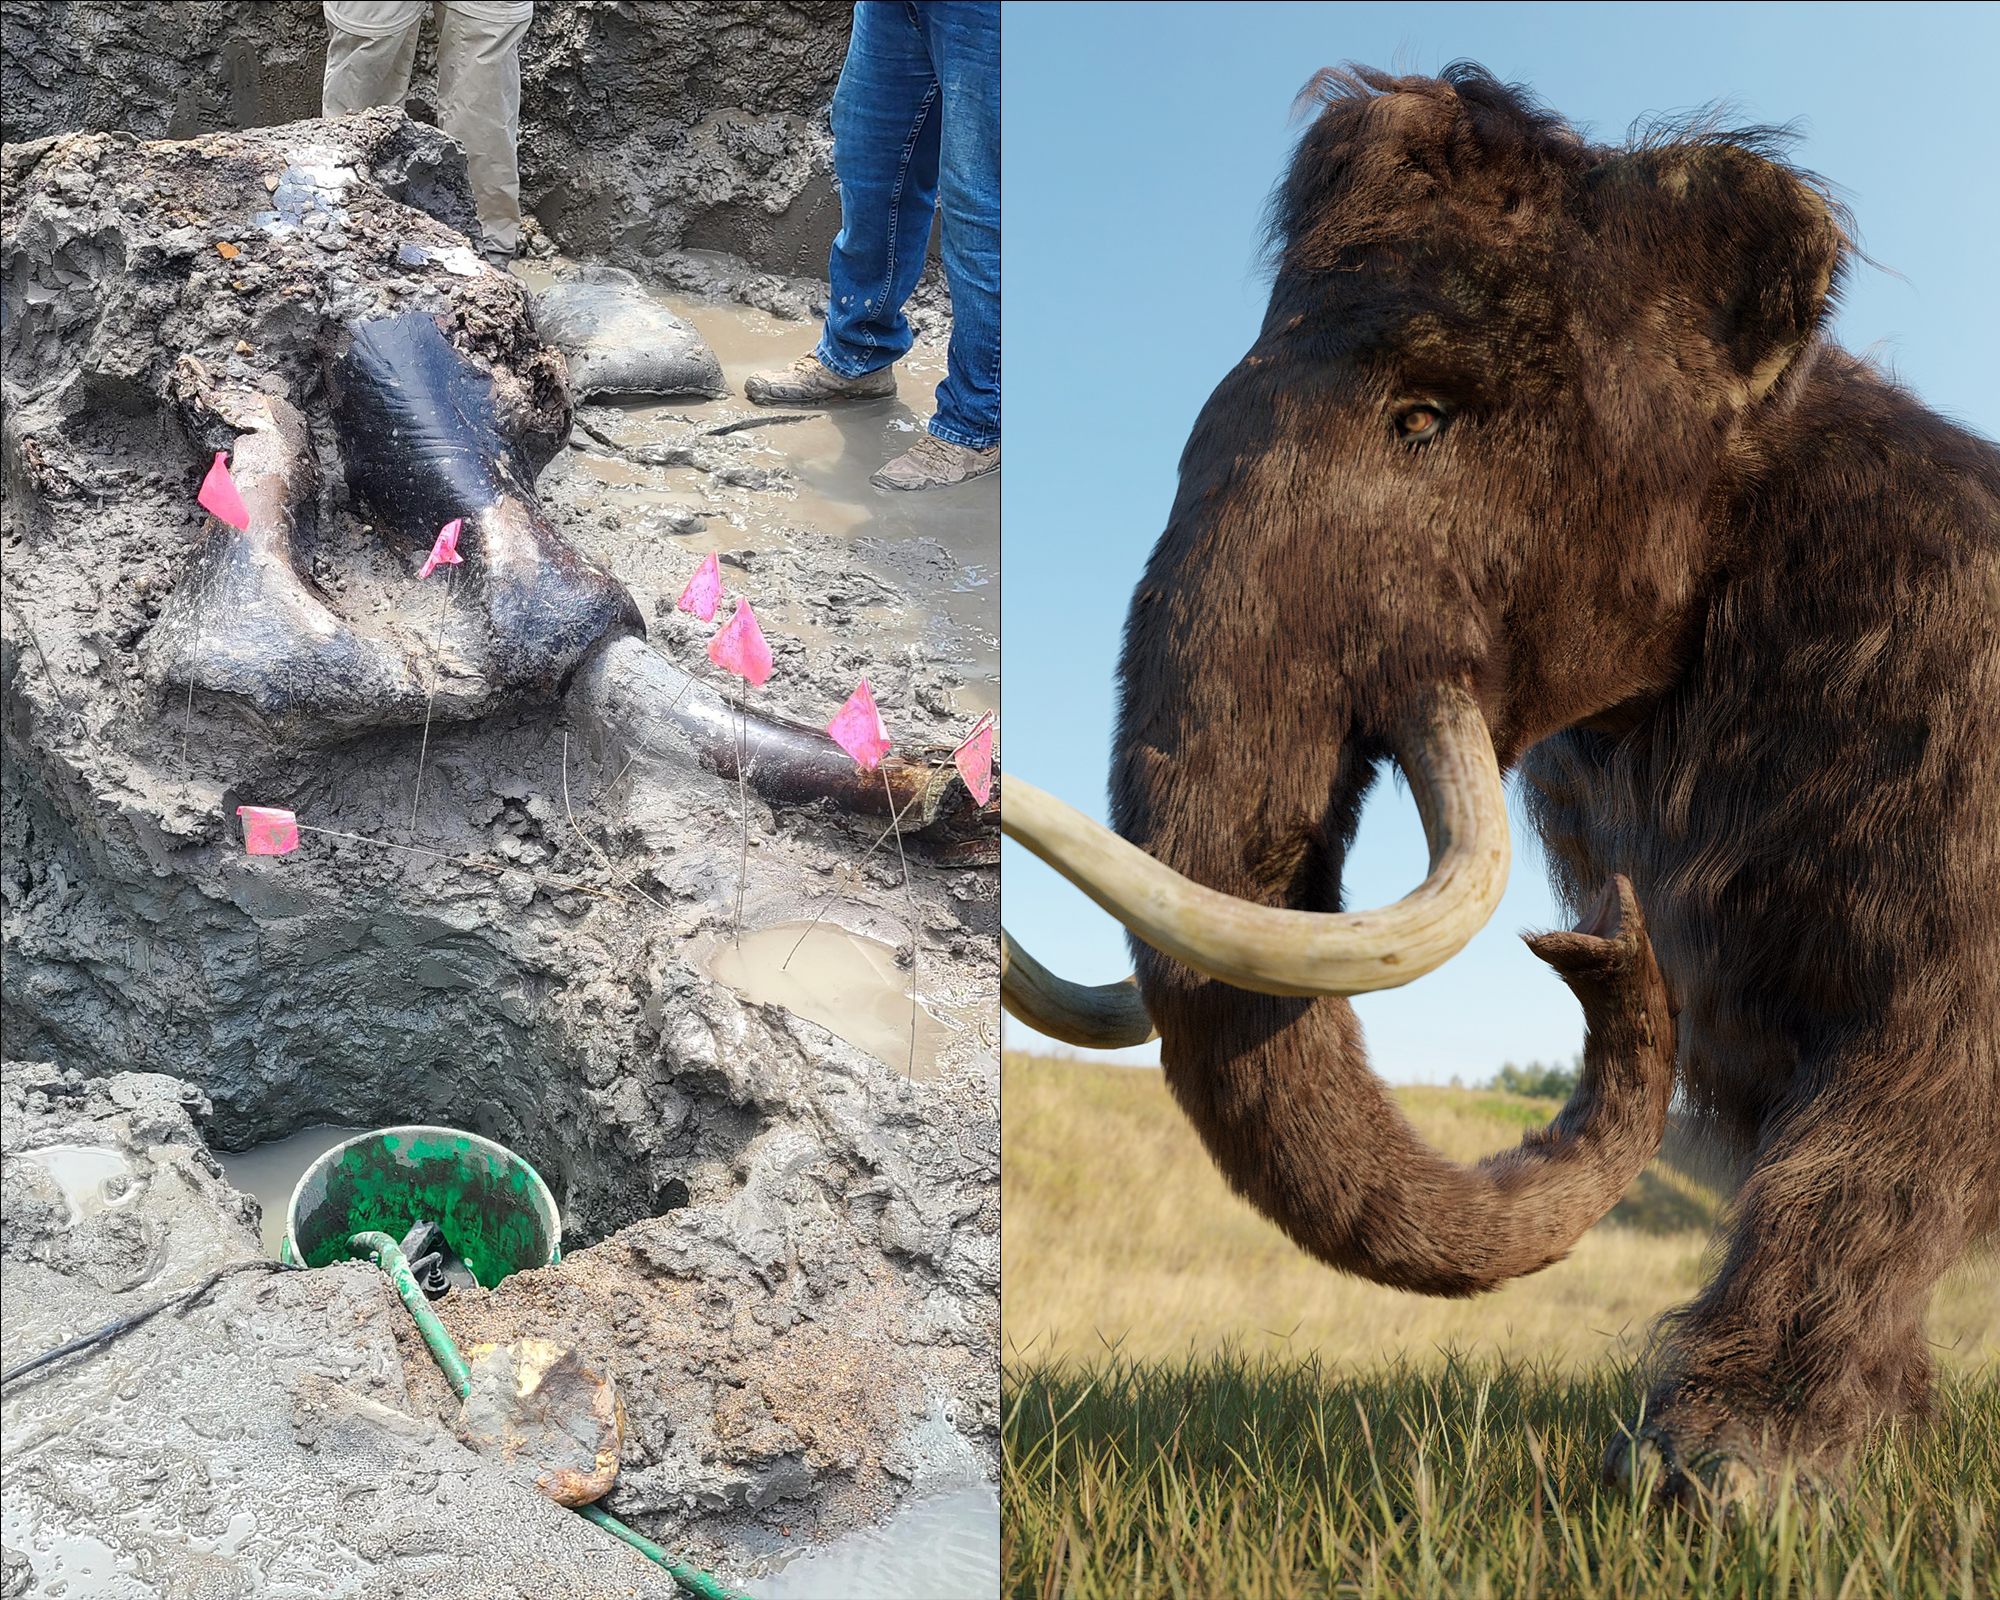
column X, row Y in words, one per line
column 807, row 383
column 934, row 463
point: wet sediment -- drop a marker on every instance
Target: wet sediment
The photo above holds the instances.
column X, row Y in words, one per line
column 525, row 957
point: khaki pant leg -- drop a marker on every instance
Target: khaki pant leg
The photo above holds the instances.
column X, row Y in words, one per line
column 479, row 103
column 368, row 64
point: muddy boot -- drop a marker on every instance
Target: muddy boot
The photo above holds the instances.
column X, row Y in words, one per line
column 806, row 383
column 934, row 463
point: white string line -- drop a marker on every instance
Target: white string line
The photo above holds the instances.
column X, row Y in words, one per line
column 437, row 671
column 743, row 808
column 895, row 827
column 603, row 860
column 916, row 931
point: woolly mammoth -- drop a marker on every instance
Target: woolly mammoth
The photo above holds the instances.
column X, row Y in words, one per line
column 1548, row 455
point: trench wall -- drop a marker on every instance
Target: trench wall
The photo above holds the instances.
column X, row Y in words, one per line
column 645, row 129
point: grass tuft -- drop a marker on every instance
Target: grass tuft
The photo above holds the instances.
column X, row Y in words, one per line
column 1224, row 1474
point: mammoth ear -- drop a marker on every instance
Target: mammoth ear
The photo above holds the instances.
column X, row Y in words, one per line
column 1745, row 244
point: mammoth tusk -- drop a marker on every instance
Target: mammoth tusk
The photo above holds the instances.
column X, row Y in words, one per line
column 629, row 690
column 1108, row 1016
column 1446, row 753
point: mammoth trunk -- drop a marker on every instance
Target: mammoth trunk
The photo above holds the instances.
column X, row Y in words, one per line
column 1274, row 1075
column 1283, row 1098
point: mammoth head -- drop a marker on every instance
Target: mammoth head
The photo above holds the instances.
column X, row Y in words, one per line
column 1502, row 378
column 1464, row 485
column 1467, row 488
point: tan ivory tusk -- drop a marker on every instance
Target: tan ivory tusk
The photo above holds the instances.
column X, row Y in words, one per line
column 1446, row 753
column 1106, row 1016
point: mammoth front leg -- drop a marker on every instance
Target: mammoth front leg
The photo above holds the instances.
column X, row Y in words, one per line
column 1840, row 988
column 1856, row 1204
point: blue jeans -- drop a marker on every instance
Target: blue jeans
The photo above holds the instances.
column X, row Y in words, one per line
column 916, row 124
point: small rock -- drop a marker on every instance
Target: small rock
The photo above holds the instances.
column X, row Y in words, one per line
column 748, row 477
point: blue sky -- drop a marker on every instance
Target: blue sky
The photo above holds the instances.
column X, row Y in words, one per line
column 1140, row 143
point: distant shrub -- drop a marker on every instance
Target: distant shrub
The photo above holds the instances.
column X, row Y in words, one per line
column 1538, row 1080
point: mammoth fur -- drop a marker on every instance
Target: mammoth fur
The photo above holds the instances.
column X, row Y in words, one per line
column 1560, row 425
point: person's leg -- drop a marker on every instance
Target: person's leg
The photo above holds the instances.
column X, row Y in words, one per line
column 479, row 103
column 885, row 158
column 886, row 126
column 964, row 41
column 370, row 48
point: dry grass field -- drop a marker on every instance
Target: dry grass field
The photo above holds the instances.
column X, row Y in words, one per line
column 1121, row 1234
column 1193, row 1410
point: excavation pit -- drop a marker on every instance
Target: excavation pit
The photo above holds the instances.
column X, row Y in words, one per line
column 784, row 1250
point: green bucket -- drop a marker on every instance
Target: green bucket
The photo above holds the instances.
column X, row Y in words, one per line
column 496, row 1213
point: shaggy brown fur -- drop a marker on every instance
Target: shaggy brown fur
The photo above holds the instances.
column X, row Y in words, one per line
column 1732, row 600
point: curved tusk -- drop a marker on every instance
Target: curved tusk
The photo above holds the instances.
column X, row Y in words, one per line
column 1448, row 757
column 1107, row 1016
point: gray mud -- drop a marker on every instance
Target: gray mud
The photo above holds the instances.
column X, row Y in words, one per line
column 646, row 130
column 784, row 1251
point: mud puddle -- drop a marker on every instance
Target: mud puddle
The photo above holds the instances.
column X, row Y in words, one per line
column 944, row 542
column 943, row 1547
column 60, row 1562
column 848, row 984
column 268, row 1173
column 92, row 1179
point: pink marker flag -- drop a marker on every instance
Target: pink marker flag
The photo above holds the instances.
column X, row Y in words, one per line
column 268, row 831
column 740, row 646
column 857, row 728
column 703, row 591
column 974, row 760
column 218, row 495
column 445, row 551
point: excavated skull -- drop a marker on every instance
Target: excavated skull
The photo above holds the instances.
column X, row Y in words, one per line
column 270, row 295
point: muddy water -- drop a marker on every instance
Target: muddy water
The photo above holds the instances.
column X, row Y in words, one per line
column 60, row 1562
column 830, row 453
column 268, row 1173
column 847, row 984
column 92, row 1179
column 944, row 1547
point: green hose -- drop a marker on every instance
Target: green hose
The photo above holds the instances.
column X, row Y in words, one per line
column 388, row 1255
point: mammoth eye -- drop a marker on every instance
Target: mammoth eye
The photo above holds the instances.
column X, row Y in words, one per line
column 1418, row 421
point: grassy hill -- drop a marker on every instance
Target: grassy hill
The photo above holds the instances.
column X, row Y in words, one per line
column 1120, row 1233
column 1193, row 1409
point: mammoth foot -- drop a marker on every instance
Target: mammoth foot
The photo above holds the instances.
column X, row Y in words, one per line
column 546, row 606
column 1709, row 1480
column 1712, row 1464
